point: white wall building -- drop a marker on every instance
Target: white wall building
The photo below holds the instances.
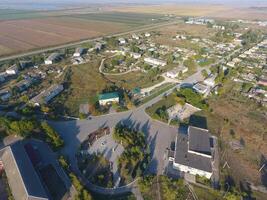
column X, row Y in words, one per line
column 108, row 98
column 79, row 52
column 52, row 58
column 201, row 88
column 13, row 70
column 210, row 81
column 135, row 55
column 193, row 152
column 156, row 62
column 175, row 72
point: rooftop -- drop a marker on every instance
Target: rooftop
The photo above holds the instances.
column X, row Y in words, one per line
column 110, row 95
column 199, row 140
column 183, row 157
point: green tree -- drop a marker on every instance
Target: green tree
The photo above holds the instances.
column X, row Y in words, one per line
column 52, row 136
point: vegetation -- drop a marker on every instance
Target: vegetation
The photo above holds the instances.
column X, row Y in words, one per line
column 83, row 194
column 251, row 36
column 192, row 97
column 169, row 189
column 133, row 161
column 52, row 136
column 23, row 128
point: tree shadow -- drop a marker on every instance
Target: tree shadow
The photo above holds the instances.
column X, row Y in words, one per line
column 263, row 166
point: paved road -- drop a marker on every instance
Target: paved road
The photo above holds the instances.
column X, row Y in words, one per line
column 159, row 135
column 144, row 28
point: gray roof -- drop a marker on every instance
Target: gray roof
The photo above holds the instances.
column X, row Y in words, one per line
column 183, row 157
column 199, row 140
column 54, row 56
column 22, row 177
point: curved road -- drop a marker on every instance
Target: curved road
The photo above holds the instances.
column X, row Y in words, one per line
column 159, row 135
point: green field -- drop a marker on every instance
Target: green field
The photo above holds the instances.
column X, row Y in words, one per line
column 132, row 19
column 10, row 14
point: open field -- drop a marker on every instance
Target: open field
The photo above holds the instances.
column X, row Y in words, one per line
column 211, row 10
column 180, row 10
column 34, row 32
column 236, row 118
column 85, row 83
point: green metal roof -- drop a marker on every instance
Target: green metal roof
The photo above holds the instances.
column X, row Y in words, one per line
column 110, row 95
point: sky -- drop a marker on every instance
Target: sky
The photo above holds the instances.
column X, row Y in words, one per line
column 53, row 4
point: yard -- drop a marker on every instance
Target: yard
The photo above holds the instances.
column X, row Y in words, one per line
column 84, row 83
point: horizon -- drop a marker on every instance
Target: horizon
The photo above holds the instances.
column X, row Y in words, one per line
column 59, row 4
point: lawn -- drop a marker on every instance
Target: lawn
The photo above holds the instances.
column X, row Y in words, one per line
column 164, row 103
column 207, row 194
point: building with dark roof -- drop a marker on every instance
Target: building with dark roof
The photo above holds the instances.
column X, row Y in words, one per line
column 22, row 178
column 33, row 173
column 193, row 152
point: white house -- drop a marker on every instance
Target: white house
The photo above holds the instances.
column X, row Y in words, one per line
column 135, row 36
column 201, row 88
column 79, row 52
column 154, row 61
column 193, row 152
column 54, row 57
column 210, row 81
column 122, row 41
column 147, row 34
column 13, row 70
column 175, row 72
column 108, row 98
column 135, row 55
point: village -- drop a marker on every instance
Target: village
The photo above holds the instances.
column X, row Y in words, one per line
column 125, row 127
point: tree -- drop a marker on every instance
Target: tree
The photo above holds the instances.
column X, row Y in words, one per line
column 23, row 128
column 204, row 73
column 52, row 136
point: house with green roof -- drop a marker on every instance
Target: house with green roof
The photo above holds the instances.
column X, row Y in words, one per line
column 108, row 98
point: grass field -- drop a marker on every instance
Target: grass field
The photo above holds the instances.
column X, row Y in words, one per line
column 235, row 117
column 86, row 83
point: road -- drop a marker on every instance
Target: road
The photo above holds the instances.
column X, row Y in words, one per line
column 141, row 29
column 159, row 135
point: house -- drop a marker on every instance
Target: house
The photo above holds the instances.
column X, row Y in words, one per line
column 154, row 61
column 47, row 95
column 13, row 70
column 4, row 95
column 193, row 152
column 147, row 34
column 262, row 81
column 30, row 166
column 135, row 36
column 210, row 81
column 135, row 55
column 122, row 41
column 24, row 85
column 54, row 57
column 108, row 98
column 2, row 76
column 24, row 64
column 79, row 52
column 201, row 88
column 175, row 72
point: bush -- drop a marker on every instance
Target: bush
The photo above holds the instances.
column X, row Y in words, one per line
column 52, row 136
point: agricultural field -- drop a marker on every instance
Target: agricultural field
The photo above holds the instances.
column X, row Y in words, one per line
column 197, row 10
column 20, row 31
